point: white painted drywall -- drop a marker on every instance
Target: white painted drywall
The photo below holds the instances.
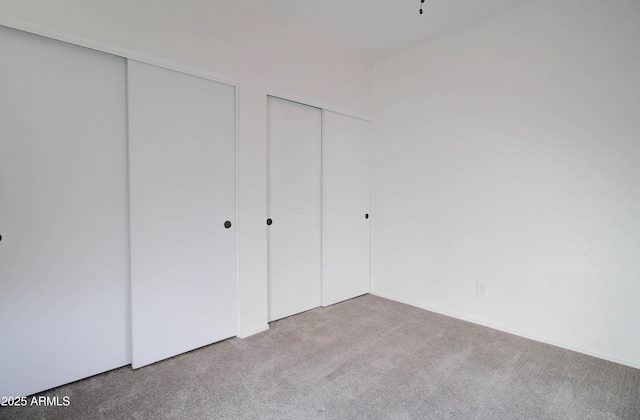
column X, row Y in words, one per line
column 230, row 38
column 509, row 153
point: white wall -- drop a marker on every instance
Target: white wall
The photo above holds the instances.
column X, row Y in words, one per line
column 509, row 153
column 229, row 38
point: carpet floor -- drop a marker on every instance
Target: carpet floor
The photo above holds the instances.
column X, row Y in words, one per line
column 366, row 358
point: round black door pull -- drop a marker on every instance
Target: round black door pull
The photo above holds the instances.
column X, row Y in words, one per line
column 269, row 221
column 0, row 237
column 227, row 224
column 366, row 216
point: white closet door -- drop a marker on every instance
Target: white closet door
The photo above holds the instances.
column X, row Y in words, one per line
column 182, row 191
column 64, row 285
column 294, row 193
column 346, row 200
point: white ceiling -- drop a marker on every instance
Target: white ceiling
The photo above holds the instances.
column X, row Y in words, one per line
column 381, row 28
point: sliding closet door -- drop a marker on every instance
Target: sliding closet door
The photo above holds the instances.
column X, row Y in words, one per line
column 64, row 285
column 182, row 193
column 346, row 233
column 294, row 207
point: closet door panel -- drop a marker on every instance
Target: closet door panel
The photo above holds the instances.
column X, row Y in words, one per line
column 182, row 191
column 64, row 282
column 345, row 206
column 294, row 193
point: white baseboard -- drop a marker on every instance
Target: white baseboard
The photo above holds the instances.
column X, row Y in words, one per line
column 253, row 332
column 511, row 331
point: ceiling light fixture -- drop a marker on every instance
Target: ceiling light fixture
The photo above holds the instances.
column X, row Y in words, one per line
column 421, row 2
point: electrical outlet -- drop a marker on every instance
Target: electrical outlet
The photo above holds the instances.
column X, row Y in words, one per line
column 483, row 288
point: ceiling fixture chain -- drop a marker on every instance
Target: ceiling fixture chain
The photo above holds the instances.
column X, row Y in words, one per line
column 421, row 3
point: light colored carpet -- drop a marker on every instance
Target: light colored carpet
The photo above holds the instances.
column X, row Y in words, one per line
column 367, row 358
